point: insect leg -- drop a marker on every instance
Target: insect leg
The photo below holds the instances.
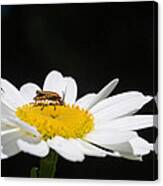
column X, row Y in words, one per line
column 43, row 105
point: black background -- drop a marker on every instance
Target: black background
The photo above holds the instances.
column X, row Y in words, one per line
column 94, row 43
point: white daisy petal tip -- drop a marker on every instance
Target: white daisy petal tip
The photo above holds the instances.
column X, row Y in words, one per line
column 106, row 91
column 70, row 92
column 3, row 156
column 133, row 157
column 10, row 94
column 119, row 105
column 54, row 82
column 103, row 93
column 40, row 149
column 28, row 91
column 54, row 73
column 116, row 81
column 149, row 98
column 151, row 147
column 140, row 146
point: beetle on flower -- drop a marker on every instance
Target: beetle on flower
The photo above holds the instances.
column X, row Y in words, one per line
column 94, row 125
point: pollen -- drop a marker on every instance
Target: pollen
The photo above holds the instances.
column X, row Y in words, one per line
column 62, row 120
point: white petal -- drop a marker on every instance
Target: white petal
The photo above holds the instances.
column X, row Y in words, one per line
column 133, row 149
column 9, row 142
column 85, row 101
column 89, row 149
column 136, row 122
column 28, row 91
column 24, row 126
column 141, row 146
column 9, row 118
column 3, row 156
column 7, row 105
column 123, row 148
column 40, row 149
column 11, row 94
column 54, row 81
column 92, row 150
column 70, row 90
column 6, row 111
column 132, row 157
column 6, row 125
column 111, row 136
column 66, row 149
column 10, row 131
column 120, row 105
column 106, row 91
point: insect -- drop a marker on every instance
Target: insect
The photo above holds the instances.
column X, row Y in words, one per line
column 45, row 98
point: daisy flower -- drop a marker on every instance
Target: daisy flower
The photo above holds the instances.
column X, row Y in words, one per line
column 94, row 125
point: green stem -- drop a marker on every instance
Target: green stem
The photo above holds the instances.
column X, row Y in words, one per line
column 33, row 172
column 47, row 166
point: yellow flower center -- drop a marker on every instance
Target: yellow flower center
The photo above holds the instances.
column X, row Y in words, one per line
column 63, row 120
